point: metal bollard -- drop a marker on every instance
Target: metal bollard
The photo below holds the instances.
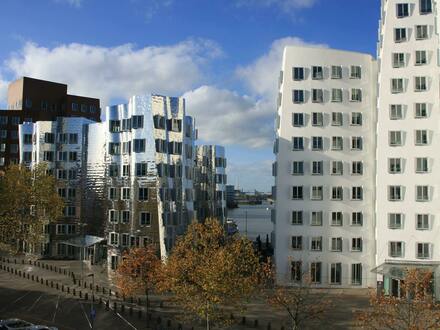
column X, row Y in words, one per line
column 107, row 305
column 243, row 320
column 68, row 289
column 86, row 296
column 80, row 294
column 114, row 306
column 74, row 292
column 57, row 286
column 256, row 324
column 140, row 314
column 122, row 308
column 131, row 310
column 269, row 326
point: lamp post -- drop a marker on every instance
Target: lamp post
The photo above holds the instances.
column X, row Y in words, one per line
column 245, row 223
column 92, row 309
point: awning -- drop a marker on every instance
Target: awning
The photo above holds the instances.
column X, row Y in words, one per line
column 396, row 269
column 84, row 241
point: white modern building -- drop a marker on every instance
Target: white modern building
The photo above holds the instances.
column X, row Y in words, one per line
column 408, row 151
column 325, row 169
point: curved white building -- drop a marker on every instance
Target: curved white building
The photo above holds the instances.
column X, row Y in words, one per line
column 408, row 157
column 324, row 216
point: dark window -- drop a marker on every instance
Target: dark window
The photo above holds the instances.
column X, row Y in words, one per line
column 137, row 121
column 139, row 145
column 143, row 194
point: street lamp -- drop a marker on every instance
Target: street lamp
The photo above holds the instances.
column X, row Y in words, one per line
column 92, row 310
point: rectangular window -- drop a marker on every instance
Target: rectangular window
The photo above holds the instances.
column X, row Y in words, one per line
column 420, row 110
column 396, row 85
column 394, row 193
column 422, row 193
column 317, row 119
column 421, row 32
column 138, row 145
column 421, row 137
column 141, row 169
column 356, row 95
column 3, row 134
column 125, row 239
column 62, row 156
column 335, row 273
column 396, row 249
column 298, row 73
column 355, row 72
column 317, row 192
column 125, row 193
column 113, row 216
column 357, row 193
column 425, row 7
column 356, row 119
column 395, row 165
column 337, row 143
column 145, row 219
column 337, row 219
column 356, row 274
column 402, row 10
column 316, row 219
column 112, row 193
column 114, row 148
column 317, row 168
column 296, row 271
column 420, row 84
column 126, row 148
column 297, row 217
column 316, row 244
column 27, row 138
column 336, row 72
column 357, row 219
column 73, row 138
column 317, row 72
column 356, row 244
column 125, row 216
column 114, row 238
column 398, row 60
column 336, row 244
column 137, row 122
column 3, row 120
column 48, row 156
column 297, row 242
column 395, row 220
column 336, row 95
column 27, row 156
column 315, row 272
column 421, row 57
column 421, row 165
column 73, row 156
column 61, row 174
column 114, row 126
column 297, row 192
column 298, row 168
column 423, row 251
column 399, row 34
column 422, row 221
column 125, row 170
column 298, row 96
column 298, row 119
column 356, row 143
column 49, row 138
column 143, row 194
column 337, row 167
column 336, row 118
column 396, row 111
column 317, row 96
column 395, row 138
column 113, row 170
column 357, row 168
column 337, row 193
column 298, row 143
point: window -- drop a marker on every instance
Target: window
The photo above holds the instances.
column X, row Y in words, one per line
column 317, row 119
column 395, row 193
column 398, row 60
column 357, row 219
column 49, row 138
column 317, row 193
column 2, row 161
column 62, row 156
column 125, row 239
column 297, row 192
column 422, row 221
column 337, row 219
column 421, row 32
column 296, row 271
column 298, row 119
column 421, row 165
column 61, row 174
column 317, row 72
column 357, row 193
column 297, row 242
column 337, row 143
column 297, row 217
column 114, row 148
column 298, row 73
column 62, row 137
column 356, row 95
column 421, row 137
column 27, row 138
column 315, row 272
column 3, row 120
column 114, row 238
column 13, row 148
column 143, row 194
column 137, row 122
column 336, row 118
column 71, row 192
column 395, row 138
column 356, row 119
column 317, row 168
column 355, row 72
column 316, row 219
column 421, row 57
column 159, row 122
column 298, row 168
column 356, row 274
column 422, row 193
column 335, row 273
column 73, row 138
column 3, row 134
column 420, row 110
column 357, row 168
column 337, row 167
column 141, row 169
column 62, row 192
column 114, row 126
column 113, row 216
column 356, row 143
column 402, row 10
column 395, row 220
column 126, row 148
column 316, row 244
column 356, row 244
column 113, row 170
column 15, row 120
column 420, row 84
column 14, row 135
column 48, row 156
column 2, row 147
column 394, row 165
column 423, row 251
column 336, row 95
column 317, row 96
column 396, row 111
column 317, row 143
column 145, row 219
column 337, row 193
column 396, row 249
column 125, row 193
column 336, row 244
column 27, row 156
column 399, row 34
column 73, row 156
column 112, row 193
column 298, row 143
column 298, row 96
column 336, row 72
column 397, row 85
column 138, row 145
column 425, row 6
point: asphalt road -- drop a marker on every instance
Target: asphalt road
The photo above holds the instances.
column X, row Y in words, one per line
column 21, row 298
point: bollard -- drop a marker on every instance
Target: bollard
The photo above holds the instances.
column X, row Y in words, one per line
column 68, row 289
column 80, row 294
column 74, row 292
column 122, row 308
column 62, row 288
column 243, row 320
column 86, row 296
column 131, row 310
column 107, row 305
column 56, row 285
column 269, row 326
column 169, row 323
column 114, row 306
column 159, row 320
column 139, row 314
column 256, row 324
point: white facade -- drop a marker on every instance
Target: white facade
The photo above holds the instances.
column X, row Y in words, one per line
column 408, row 157
column 325, row 170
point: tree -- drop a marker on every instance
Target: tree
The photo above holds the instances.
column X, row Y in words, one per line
column 416, row 309
column 301, row 301
column 208, row 270
column 29, row 201
column 137, row 273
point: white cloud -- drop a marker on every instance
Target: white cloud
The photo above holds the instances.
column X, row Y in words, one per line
column 117, row 72
column 287, row 6
column 74, row 3
column 3, row 91
column 225, row 117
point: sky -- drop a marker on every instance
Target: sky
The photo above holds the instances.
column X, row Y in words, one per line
column 223, row 56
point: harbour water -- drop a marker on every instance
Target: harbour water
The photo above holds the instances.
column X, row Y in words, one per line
column 253, row 220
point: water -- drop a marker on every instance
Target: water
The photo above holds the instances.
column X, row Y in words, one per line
column 258, row 220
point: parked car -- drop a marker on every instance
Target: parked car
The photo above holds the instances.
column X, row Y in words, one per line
column 17, row 324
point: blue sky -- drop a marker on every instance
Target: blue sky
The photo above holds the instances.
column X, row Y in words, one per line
column 222, row 55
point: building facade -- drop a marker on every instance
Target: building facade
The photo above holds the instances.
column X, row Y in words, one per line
column 210, row 183
column 325, row 169
column 408, row 158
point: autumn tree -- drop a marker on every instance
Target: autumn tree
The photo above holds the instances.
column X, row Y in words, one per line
column 415, row 309
column 301, row 301
column 209, row 270
column 138, row 271
column 29, row 201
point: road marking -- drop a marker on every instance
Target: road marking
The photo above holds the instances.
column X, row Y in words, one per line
column 85, row 314
column 35, row 302
column 123, row 319
column 15, row 301
column 56, row 308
